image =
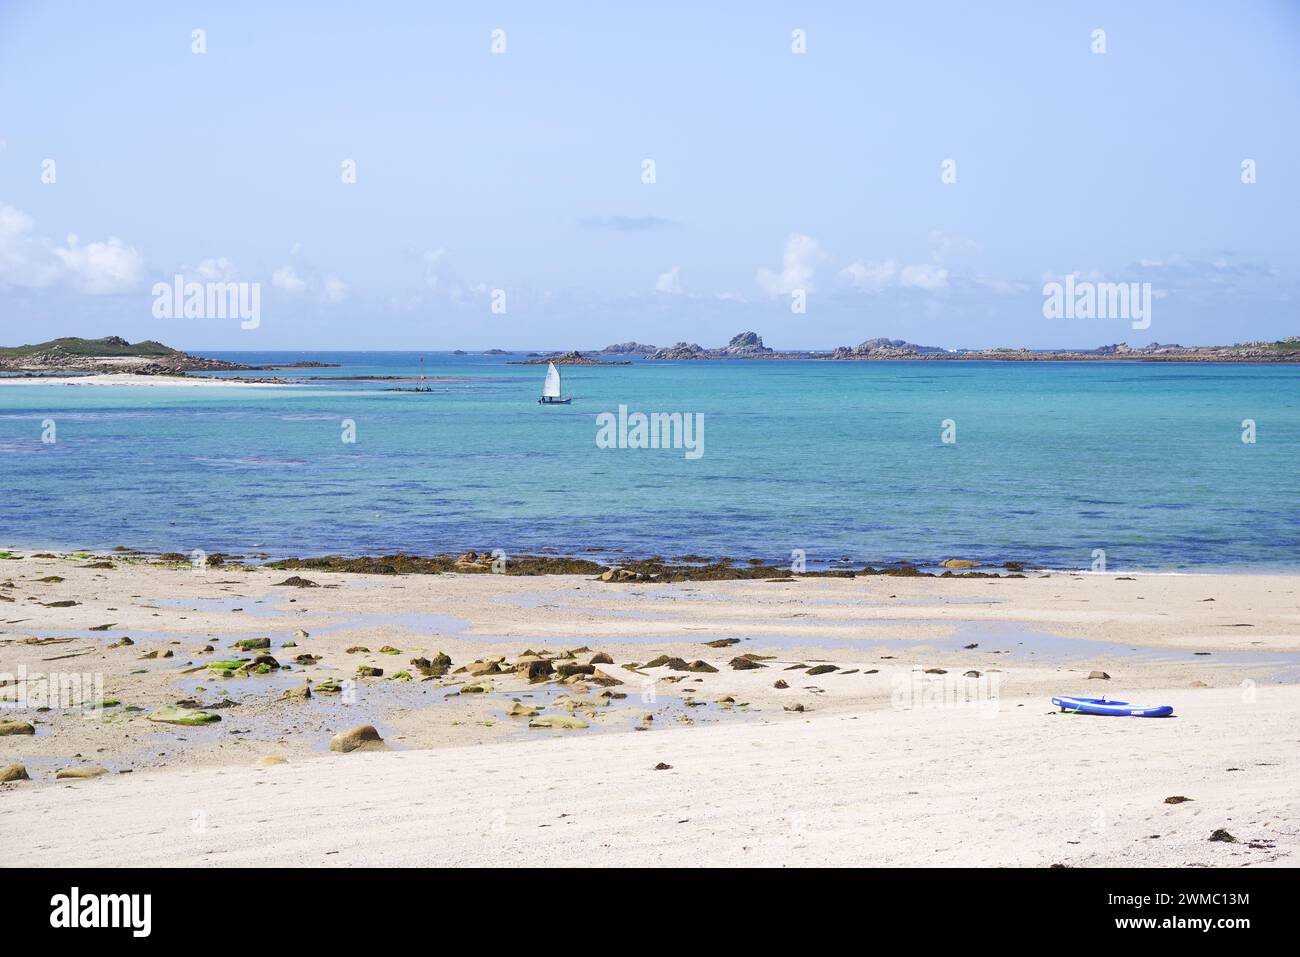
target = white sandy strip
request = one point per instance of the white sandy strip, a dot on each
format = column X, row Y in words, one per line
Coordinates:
column 922, row 787
column 130, row 378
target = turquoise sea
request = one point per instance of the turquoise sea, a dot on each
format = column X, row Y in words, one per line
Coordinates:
column 842, row 460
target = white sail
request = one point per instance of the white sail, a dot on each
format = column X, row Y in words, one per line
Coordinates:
column 551, row 390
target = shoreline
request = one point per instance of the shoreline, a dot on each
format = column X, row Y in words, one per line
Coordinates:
column 121, row 379
column 870, row 710
column 893, row 723
column 595, row 561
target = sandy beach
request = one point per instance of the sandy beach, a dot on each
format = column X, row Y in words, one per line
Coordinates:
column 926, row 734
column 135, row 379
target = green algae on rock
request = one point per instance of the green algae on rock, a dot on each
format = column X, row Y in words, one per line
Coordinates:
column 183, row 716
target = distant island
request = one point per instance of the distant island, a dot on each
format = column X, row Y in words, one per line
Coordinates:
column 749, row 345
column 113, row 354
column 569, row 359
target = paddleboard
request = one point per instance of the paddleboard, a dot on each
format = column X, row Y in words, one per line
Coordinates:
column 1112, row 708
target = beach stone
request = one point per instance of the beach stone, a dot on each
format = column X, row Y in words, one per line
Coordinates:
column 82, row 772
column 300, row 634
column 483, row 667
column 390, row 650
column 570, row 668
column 357, row 650
column 520, row 710
column 15, row 727
column 780, row 685
column 369, row 671
column 534, row 668
column 252, row 644
column 1098, row 674
column 663, row 767
column 184, row 716
column 1177, row 799
column 722, row 642
column 13, row 772
column 1223, row 837
column 561, row 721
column 745, row 664
column 363, row 737
column 928, row 671
column 297, row 694
column 971, row 674
column 599, row 677
column 306, row 659
column 959, row 563
column 123, row 642
column 796, row 706
column 479, row 687
column 436, row 668
column 270, row 760
column 821, row 669
column 701, row 667
column 294, row 581
column 600, row 658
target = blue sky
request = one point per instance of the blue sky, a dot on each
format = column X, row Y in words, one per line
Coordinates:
column 522, row 171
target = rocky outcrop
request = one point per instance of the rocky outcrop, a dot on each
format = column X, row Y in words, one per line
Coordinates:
column 573, row 358
column 106, row 355
column 628, row 349
column 744, row 345
column 682, row 350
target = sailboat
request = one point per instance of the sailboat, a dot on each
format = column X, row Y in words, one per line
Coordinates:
column 551, row 388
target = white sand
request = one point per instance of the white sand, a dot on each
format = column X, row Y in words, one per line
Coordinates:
column 919, row 787
column 133, row 379
column 863, row 777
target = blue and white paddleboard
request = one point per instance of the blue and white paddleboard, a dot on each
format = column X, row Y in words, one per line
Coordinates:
column 1113, row 708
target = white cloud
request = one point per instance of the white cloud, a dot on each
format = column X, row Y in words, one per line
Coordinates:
column 34, row 262
column 287, row 278
column 670, row 282
column 327, row 289
column 431, row 259
column 798, row 264
column 946, row 244
column 925, row 276
column 212, row 270
column 872, row 276
column 334, row 290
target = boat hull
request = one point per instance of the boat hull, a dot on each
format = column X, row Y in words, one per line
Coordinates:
column 1116, row 709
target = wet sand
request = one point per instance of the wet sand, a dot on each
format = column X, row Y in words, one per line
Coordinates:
column 885, row 764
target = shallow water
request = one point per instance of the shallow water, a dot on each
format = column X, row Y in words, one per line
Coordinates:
column 843, row 460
